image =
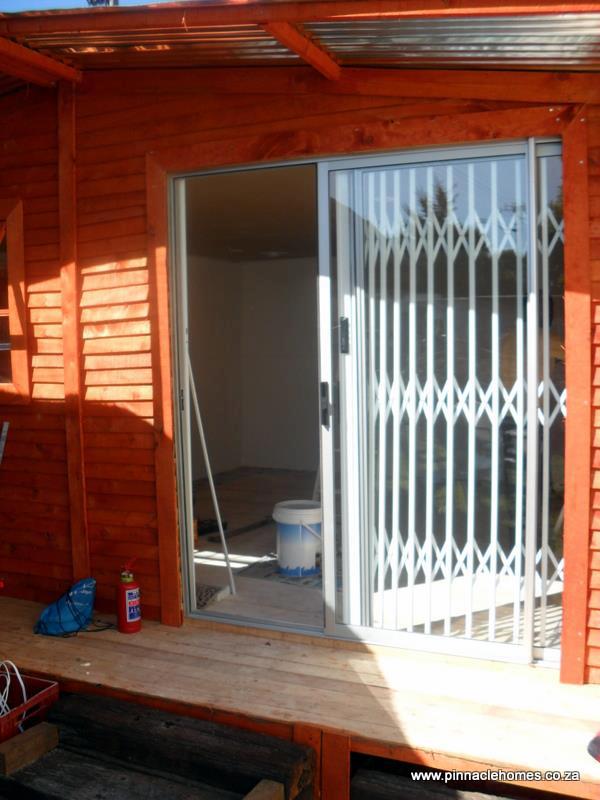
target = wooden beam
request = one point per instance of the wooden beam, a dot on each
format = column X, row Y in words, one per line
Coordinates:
column 186, row 15
column 29, row 65
column 511, row 85
column 70, row 289
column 27, row 747
column 312, row 737
column 369, row 136
column 171, row 597
column 578, row 424
column 298, row 42
column 335, row 766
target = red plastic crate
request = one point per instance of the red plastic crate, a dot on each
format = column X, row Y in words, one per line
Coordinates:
column 41, row 694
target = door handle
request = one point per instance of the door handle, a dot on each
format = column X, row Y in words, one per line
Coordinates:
column 344, row 335
column 325, row 405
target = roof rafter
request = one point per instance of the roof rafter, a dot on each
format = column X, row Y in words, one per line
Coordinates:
column 29, row 65
column 232, row 12
column 296, row 40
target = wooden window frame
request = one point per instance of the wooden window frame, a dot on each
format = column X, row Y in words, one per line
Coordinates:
column 19, row 389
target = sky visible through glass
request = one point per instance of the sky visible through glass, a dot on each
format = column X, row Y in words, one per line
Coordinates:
column 7, row 6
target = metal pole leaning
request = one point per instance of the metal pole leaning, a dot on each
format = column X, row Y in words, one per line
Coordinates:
column 211, row 483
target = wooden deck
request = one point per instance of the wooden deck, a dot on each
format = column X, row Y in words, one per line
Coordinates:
column 441, row 711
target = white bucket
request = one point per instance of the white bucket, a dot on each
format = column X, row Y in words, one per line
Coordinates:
column 298, row 537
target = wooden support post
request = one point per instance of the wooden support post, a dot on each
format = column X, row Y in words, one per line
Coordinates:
column 335, row 767
column 71, row 333
column 171, row 602
column 578, row 374
column 311, row 736
column 298, row 42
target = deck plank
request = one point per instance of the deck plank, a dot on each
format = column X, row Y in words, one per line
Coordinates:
column 488, row 713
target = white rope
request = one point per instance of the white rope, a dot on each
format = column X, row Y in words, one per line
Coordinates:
column 6, row 678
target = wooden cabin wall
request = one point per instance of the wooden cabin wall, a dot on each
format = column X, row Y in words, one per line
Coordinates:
column 120, row 118
column 118, row 122
column 35, row 546
column 593, row 653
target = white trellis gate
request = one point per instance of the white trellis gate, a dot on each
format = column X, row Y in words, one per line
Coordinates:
column 442, row 280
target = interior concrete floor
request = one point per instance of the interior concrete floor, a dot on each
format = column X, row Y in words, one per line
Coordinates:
column 247, row 497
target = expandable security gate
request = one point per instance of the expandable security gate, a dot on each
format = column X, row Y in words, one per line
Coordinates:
column 441, row 292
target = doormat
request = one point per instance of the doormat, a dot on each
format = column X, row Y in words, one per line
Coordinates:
column 205, row 594
column 268, row 569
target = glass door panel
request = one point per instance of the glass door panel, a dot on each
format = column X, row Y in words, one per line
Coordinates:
column 432, row 281
column 552, row 395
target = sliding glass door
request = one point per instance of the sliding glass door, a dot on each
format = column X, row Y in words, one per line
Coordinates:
column 442, row 293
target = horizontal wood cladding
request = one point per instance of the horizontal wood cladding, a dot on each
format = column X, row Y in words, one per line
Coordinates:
column 118, row 418
column 118, row 127
column 35, row 546
column 593, row 638
column 120, row 119
column 114, row 135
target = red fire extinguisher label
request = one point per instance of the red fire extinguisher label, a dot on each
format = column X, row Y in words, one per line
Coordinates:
column 132, row 605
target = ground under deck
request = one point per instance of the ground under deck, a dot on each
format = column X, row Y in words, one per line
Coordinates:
column 439, row 710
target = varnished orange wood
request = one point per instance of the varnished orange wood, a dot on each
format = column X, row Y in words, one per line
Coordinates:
column 276, row 115
column 19, row 390
column 300, row 43
column 236, row 13
column 71, row 332
column 531, row 87
column 123, row 334
column 168, row 537
column 335, row 766
column 311, row 736
column 29, row 65
column 374, row 136
column 578, row 426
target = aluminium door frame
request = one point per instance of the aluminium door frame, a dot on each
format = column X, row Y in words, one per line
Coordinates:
column 331, row 629
column 525, row 651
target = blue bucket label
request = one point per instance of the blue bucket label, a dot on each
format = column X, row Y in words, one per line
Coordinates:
column 299, row 549
column 132, row 604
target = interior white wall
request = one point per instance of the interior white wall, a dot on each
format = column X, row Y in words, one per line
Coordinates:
column 280, row 364
column 253, row 347
column 214, row 310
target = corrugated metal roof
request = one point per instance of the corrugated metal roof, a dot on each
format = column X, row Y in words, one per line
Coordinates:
column 163, row 36
column 244, row 44
column 557, row 41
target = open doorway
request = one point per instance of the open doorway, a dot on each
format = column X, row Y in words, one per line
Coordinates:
column 251, row 307
column 438, row 510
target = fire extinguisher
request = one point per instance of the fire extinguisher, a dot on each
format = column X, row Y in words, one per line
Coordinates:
column 128, row 601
